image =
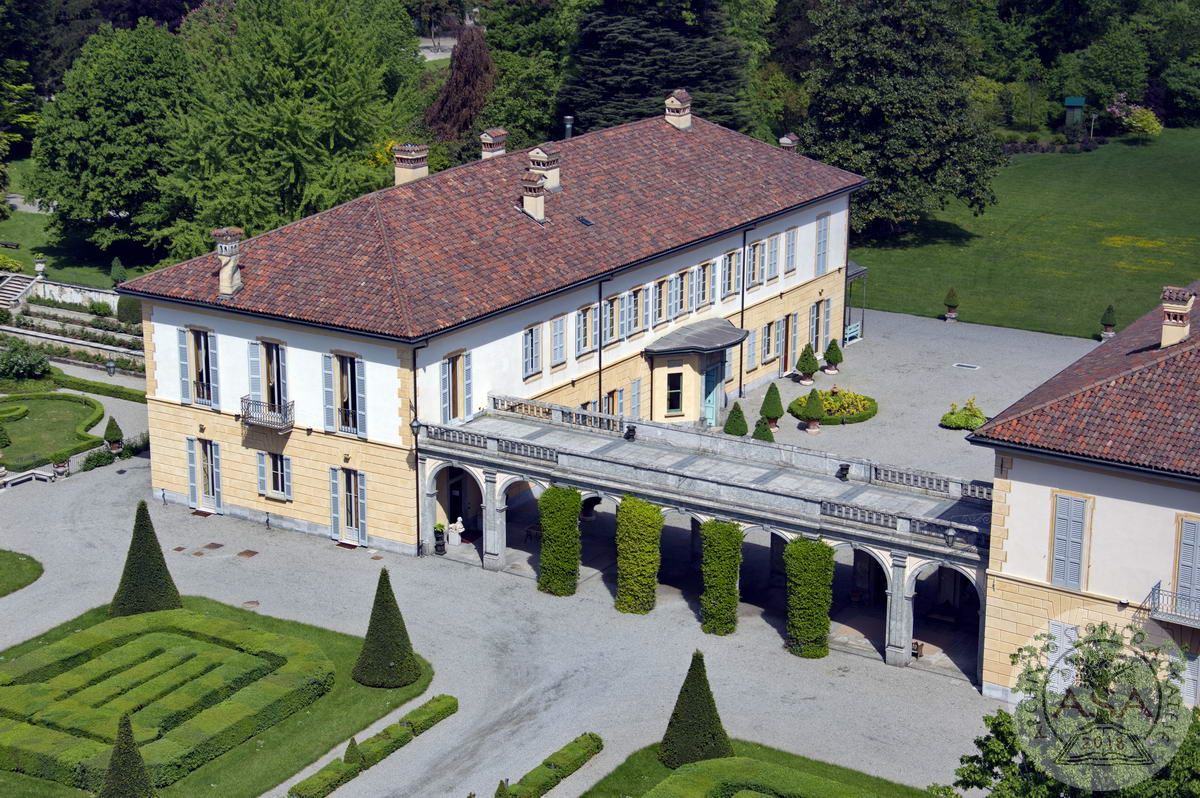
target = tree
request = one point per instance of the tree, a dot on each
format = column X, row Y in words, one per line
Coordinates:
column 1182, row 80
column 112, row 431
column 387, row 658
column 466, row 90
column 735, row 422
column 101, row 145
column 639, row 534
column 630, row 54
column 772, row 404
column 762, row 431
column 126, row 776
column 19, row 360
column 18, row 103
column 807, row 364
column 117, row 271
column 809, row 568
column 890, row 102
column 1116, row 63
column 522, row 100
column 833, row 355
column 694, row 731
column 146, row 583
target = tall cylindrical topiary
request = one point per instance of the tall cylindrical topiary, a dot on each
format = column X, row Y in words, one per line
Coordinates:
column 126, row 776
column 762, row 431
column 735, row 422
column 639, row 535
column 695, row 731
column 807, row 364
column 146, row 584
column 117, row 271
column 387, row 658
column 720, row 562
column 772, row 405
column 833, row 357
column 809, row 568
column 558, row 571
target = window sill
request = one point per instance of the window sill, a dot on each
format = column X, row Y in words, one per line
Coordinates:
column 585, row 355
column 674, row 414
column 558, row 366
column 536, row 375
column 271, row 496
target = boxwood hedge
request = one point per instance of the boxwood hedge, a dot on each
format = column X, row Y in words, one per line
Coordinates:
column 725, row 778
column 720, row 561
column 556, row 767
column 809, row 568
column 559, row 508
column 639, row 536
column 84, row 440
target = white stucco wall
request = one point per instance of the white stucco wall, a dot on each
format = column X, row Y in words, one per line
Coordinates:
column 304, row 368
column 495, row 344
column 1131, row 542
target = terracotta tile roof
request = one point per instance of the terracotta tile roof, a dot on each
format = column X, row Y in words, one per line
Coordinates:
column 1128, row 402
column 411, row 260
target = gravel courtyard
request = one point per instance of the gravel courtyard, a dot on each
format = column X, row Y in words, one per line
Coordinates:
column 531, row 671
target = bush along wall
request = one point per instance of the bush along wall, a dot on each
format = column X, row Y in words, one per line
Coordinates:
column 809, row 568
column 556, row 767
column 720, row 561
column 639, row 536
column 559, row 510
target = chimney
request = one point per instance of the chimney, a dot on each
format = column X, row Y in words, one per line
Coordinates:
column 411, row 162
column 568, row 126
column 493, row 141
column 229, row 246
column 544, row 161
column 533, row 195
column 1177, row 313
column 679, row 109
column 788, row 141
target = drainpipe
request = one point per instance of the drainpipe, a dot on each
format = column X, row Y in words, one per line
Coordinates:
column 415, row 447
column 742, row 316
column 600, row 345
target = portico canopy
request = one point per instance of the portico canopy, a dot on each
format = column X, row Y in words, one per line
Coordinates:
column 699, row 337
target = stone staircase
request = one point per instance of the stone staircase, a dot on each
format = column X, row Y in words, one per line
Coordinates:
column 13, row 288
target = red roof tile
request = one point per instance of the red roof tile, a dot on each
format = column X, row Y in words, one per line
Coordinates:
column 411, row 260
column 1128, row 402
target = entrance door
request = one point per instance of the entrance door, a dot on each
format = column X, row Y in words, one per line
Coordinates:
column 712, row 387
column 210, row 475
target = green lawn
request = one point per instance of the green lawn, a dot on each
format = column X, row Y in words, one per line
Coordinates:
column 18, row 175
column 16, row 571
column 271, row 757
column 1069, row 235
column 437, row 64
column 642, row 771
column 50, row 425
column 64, row 263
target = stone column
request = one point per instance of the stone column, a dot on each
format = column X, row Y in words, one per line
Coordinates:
column 899, row 614
column 428, row 499
column 494, row 529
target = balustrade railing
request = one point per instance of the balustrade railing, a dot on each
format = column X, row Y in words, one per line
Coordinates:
column 523, row 449
column 922, row 480
column 977, row 490
column 1166, row 605
column 257, row 413
column 456, row 435
column 861, row 515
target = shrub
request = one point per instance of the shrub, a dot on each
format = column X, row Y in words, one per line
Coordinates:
column 639, row 535
column 502, row 790
column 5, row 440
column 762, row 431
column 112, row 432
column 951, row 300
column 809, row 568
column 117, row 271
column 1144, row 122
column 833, row 354
column 807, row 363
column 813, row 408
column 146, row 584
column 556, row 767
column 720, row 561
column 1109, row 317
column 694, row 731
column 353, row 757
column 1031, row 138
column 97, row 459
column 129, row 310
column 101, row 309
column 127, row 776
column 100, row 388
column 772, row 404
column 67, row 353
column 559, row 509
column 1059, row 138
column 735, row 422
column 429, row 714
column 387, row 658
column 21, row 361
column 968, row 417
column 5, row 316
column 324, row 781
column 10, row 265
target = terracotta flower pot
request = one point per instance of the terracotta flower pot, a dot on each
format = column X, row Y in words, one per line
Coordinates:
column 951, row 313
column 116, row 446
column 812, row 427
column 773, row 423
column 60, row 469
column 1108, row 332
column 831, row 369
column 806, row 379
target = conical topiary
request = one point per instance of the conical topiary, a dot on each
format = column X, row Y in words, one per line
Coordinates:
column 762, row 431
column 146, row 584
column 833, row 355
column 387, row 658
column 353, row 756
column 951, row 300
column 807, row 364
column 127, row 776
column 1109, row 319
column 117, row 271
column 772, row 404
column 502, row 790
column 5, row 440
column 695, row 731
column 112, row 432
column 814, row 408
column 735, row 422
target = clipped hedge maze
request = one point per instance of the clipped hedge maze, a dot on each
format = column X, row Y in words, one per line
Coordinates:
column 195, row 687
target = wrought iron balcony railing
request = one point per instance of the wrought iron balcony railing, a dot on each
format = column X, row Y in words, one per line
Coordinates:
column 347, row 418
column 1173, row 607
column 202, row 392
column 257, row 413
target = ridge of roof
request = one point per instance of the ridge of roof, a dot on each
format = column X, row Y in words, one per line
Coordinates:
column 393, row 272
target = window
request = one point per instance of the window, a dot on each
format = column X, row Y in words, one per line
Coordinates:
column 350, row 497
column 1070, row 518
column 347, row 393
column 456, row 386
column 679, row 294
column 769, row 337
column 608, row 320
column 633, row 323
column 585, row 330
column 204, row 474
column 558, row 341
column 635, row 399
column 614, row 402
column 274, row 372
column 674, row 392
column 204, row 356
column 822, row 242
column 703, row 275
column 660, row 301
column 789, row 251
column 772, row 257
column 348, row 506
column 754, row 277
column 730, row 278
column 274, row 475
column 531, row 351
column 819, row 320
column 752, row 351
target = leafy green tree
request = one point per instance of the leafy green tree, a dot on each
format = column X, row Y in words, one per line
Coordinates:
column 735, row 422
column 19, row 360
column 630, row 54
column 146, row 583
column 639, row 538
column 18, row 103
column 1182, row 81
column 695, row 731
column 101, row 145
column 522, row 100
column 126, row 776
column 1117, row 63
column 462, row 96
column 890, row 102
column 387, row 658
column 117, row 271
column 772, row 404
column 762, row 431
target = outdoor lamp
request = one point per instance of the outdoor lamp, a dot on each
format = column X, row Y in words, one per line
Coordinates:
column 415, row 426
column 110, row 366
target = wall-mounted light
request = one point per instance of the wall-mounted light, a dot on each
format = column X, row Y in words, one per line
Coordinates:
column 202, row 428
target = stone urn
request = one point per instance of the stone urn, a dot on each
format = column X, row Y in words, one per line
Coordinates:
column 60, row 469
column 951, row 313
column 812, row 427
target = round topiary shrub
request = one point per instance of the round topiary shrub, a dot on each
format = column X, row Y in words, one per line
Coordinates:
column 720, row 561
column 558, row 573
column 833, row 357
column 735, row 422
column 146, row 584
column 968, row 417
column 809, row 568
column 639, row 535
column 695, row 731
column 387, row 658
column 762, row 431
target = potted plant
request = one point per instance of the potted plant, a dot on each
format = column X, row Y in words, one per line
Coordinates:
column 735, row 422
column 60, row 460
column 762, row 431
column 951, row 303
column 439, row 538
column 833, row 357
column 812, row 412
column 113, row 436
column 807, row 365
column 772, row 407
column 1109, row 322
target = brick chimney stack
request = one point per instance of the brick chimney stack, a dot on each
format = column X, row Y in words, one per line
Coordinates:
column 679, row 109
column 1177, row 315
column 493, row 140
column 544, row 161
column 533, row 195
column 229, row 251
column 788, row 141
column 410, row 161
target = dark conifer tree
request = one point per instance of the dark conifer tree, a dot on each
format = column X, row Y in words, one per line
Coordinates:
column 127, row 776
column 695, row 731
column 466, row 89
column 387, row 658
column 146, row 584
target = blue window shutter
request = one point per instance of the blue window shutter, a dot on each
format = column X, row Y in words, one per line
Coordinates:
column 812, row 325
column 766, row 343
column 445, row 391
column 779, row 337
column 789, row 253
column 537, row 348
column 558, row 344
column 193, row 499
column 287, row 477
column 737, row 271
column 362, row 509
column 794, row 354
column 185, row 378
column 335, row 530
column 726, row 266
column 620, row 402
column 595, row 325
column 360, row 395
column 635, row 398
column 729, row 364
column 1075, row 549
column 283, row 389
column 712, row 282
column 822, row 243
column 216, row 472
column 580, row 333
column 773, row 257
column 1069, row 517
column 327, row 376
column 255, row 367
column 468, row 402
column 1191, row 680
column 828, row 323
column 1062, row 521
column 647, row 293
column 624, row 312
column 1188, row 583
column 214, row 372
column 752, row 351
column 1062, row 674
column 693, row 288
column 262, row 473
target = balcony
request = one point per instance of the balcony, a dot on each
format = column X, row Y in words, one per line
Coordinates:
column 257, row 413
column 347, row 418
column 1173, row 607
